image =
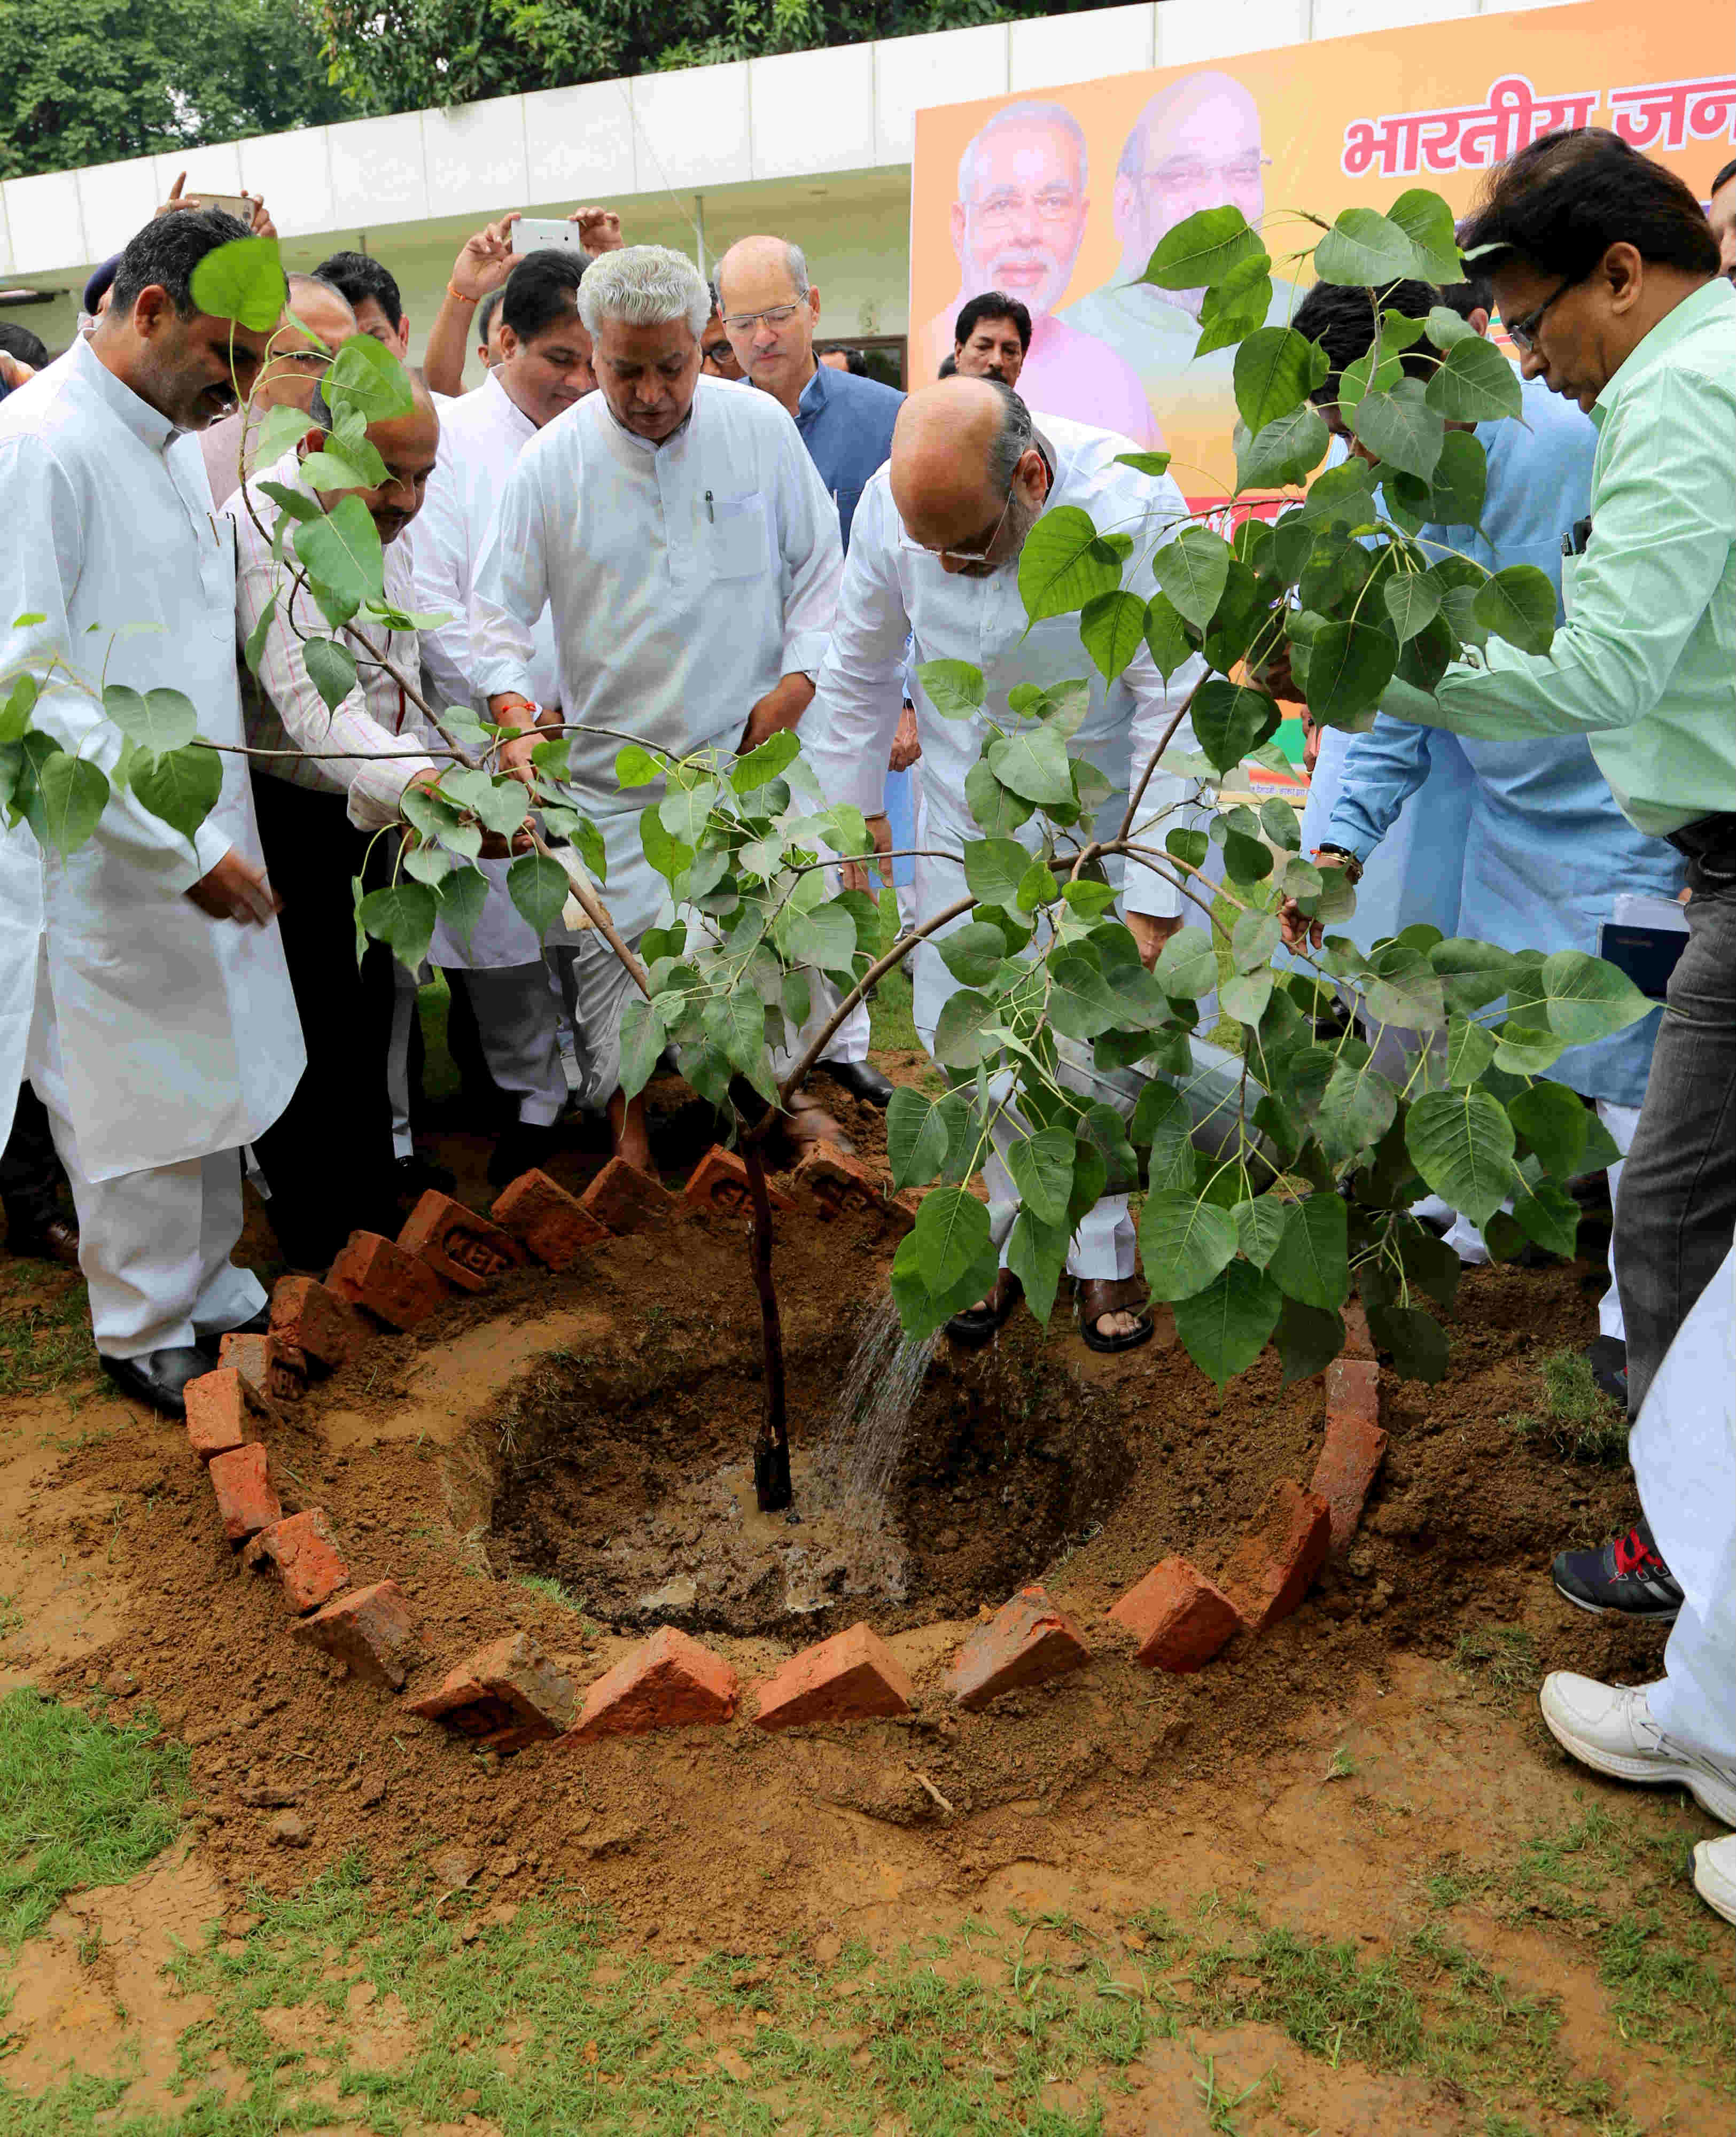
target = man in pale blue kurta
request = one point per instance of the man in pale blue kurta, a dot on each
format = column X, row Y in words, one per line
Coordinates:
column 1518, row 843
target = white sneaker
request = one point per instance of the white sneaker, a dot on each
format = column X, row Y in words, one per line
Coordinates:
column 1609, row 1727
column 1714, row 1874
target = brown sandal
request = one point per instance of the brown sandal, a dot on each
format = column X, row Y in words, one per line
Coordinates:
column 1100, row 1295
column 978, row 1324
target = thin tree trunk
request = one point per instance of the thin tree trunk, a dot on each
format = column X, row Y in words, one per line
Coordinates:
column 772, row 1488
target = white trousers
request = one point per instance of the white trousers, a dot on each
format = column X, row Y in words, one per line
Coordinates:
column 154, row 1245
column 518, row 1021
column 1466, row 1241
column 405, row 987
column 1683, row 1453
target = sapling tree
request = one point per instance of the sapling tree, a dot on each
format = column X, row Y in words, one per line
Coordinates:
column 1280, row 1149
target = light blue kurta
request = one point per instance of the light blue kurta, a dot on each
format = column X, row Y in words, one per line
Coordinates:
column 1546, row 851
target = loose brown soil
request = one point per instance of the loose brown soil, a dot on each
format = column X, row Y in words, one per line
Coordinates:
column 595, row 1428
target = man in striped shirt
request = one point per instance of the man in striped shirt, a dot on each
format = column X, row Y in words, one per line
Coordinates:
column 328, row 1160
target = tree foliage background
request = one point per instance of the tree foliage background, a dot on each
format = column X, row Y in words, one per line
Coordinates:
column 93, row 82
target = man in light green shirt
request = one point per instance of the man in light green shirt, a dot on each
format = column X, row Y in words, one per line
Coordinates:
column 1607, row 278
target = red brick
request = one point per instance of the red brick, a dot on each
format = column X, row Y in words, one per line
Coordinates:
column 369, row 1628
column 1354, row 1446
column 1179, row 1619
column 1028, row 1641
column 303, row 1552
column 466, row 1249
column 267, row 1364
column 1270, row 1569
column 1358, row 1341
column 244, row 1494
column 546, row 1220
column 838, row 1181
column 667, row 1682
column 508, row 1694
column 315, row 1324
column 854, row 1677
column 719, row 1182
column 216, row 1412
column 624, row 1199
column 394, row 1286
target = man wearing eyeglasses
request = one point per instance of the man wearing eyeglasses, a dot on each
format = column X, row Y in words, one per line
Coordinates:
column 1196, row 145
column 317, row 321
column 937, row 538
column 717, row 358
column 1608, row 280
column 1016, row 226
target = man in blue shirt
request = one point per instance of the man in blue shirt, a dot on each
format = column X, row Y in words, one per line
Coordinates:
column 770, row 311
column 1528, row 848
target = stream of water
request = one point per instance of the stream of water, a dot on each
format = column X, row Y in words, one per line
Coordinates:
column 866, row 1434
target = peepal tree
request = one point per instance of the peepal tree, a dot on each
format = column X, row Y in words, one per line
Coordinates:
column 1269, row 1204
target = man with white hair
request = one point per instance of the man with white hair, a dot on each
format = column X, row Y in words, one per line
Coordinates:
column 1196, row 145
column 938, row 534
column 1017, row 226
column 690, row 556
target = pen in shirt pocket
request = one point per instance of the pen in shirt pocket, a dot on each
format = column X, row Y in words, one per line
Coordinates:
column 709, row 513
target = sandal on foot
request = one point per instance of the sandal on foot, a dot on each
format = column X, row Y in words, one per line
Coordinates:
column 978, row 1324
column 1100, row 1295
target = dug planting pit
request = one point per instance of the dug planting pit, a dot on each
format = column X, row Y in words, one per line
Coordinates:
column 628, row 1482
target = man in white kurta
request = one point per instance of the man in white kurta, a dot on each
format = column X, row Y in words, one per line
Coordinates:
column 689, row 556
column 949, row 470
column 162, row 1034
column 546, row 367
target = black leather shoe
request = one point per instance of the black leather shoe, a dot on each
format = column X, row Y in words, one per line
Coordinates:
column 158, row 1377
column 520, row 1149
column 56, row 1241
column 414, row 1175
column 861, row 1079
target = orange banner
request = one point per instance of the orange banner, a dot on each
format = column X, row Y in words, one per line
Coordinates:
column 1059, row 198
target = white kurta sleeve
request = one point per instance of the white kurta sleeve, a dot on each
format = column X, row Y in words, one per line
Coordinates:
column 439, row 537
column 812, row 550
column 511, row 587
column 847, row 731
column 376, row 788
column 35, row 575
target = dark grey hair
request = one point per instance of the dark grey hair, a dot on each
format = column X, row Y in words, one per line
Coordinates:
column 1014, row 440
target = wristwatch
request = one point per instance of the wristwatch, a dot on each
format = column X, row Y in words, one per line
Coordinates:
column 1352, row 869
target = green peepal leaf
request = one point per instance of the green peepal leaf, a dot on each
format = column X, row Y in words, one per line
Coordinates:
column 1415, row 1340
column 1427, row 221
column 1276, row 368
column 1585, row 999
column 538, row 886
column 1308, row 1341
column 155, row 720
column 1312, row 1262
column 1259, row 1226
column 1412, row 602
column 1224, row 1327
column 994, row 869
column 1364, row 250
column 403, row 917
column 922, row 1309
column 1474, row 384
column 760, row 766
column 181, row 787
column 1462, row 1143
column 1166, row 635
column 1183, row 1244
column 1400, row 429
column 1192, row 569
column 1034, row 765
column 1285, row 452
column 70, row 796
column 244, row 281
column 641, row 1041
column 918, row 1134
column 1206, row 248
column 1231, row 720
column 635, row 766
column 342, row 557
column 1556, row 1123
column 1518, row 604
column 1036, row 1253
column 951, row 1236
column 1112, row 628
column 366, row 377
column 463, row 893
column 1349, row 666
column 1065, row 563
column 954, row 688
column 1041, row 1167
column 1151, row 464
column 331, row 670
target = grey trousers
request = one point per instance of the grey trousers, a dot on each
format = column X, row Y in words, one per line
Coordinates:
column 1676, row 1213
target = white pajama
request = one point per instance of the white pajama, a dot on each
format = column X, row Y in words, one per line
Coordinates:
column 1683, row 1453
column 518, row 1023
column 154, row 1244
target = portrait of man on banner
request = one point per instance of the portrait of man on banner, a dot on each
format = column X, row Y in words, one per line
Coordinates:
column 1020, row 217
